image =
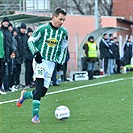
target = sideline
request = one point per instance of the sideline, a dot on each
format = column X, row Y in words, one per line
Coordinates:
column 74, row 88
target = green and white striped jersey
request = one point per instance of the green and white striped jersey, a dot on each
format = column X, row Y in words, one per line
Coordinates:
column 51, row 43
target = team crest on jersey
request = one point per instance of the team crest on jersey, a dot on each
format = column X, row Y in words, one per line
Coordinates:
column 52, row 42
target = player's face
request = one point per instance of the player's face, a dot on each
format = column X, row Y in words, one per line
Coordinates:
column 58, row 21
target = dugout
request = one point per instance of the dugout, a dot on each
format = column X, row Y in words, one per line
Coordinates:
column 98, row 33
column 26, row 18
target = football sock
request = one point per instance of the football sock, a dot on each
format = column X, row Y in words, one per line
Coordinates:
column 35, row 107
column 28, row 95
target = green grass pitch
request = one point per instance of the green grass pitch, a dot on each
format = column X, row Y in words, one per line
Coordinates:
column 98, row 108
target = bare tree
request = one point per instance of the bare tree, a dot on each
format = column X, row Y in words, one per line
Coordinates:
column 59, row 3
column 105, row 7
column 78, row 4
column 85, row 7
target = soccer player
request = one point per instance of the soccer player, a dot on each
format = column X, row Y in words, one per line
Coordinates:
column 49, row 45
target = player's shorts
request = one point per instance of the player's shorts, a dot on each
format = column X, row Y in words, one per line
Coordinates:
column 44, row 70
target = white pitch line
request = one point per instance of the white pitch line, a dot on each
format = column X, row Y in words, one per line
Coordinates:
column 70, row 89
column 84, row 86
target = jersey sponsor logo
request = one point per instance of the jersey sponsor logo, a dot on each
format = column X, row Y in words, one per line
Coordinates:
column 51, row 42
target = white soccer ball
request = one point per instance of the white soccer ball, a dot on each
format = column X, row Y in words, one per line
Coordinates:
column 62, row 112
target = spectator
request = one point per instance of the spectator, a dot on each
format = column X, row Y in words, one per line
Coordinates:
column 117, row 55
column 127, row 48
column 104, row 52
column 28, row 58
column 111, row 59
column 90, row 48
column 84, row 63
column 21, row 42
column 1, row 61
column 11, row 62
column 54, row 76
column 64, row 67
column 8, row 52
column 10, row 27
column 13, row 75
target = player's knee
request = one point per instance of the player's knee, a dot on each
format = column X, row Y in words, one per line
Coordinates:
column 44, row 91
column 39, row 82
column 37, row 94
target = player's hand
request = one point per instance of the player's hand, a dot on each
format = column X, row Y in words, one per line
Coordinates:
column 38, row 57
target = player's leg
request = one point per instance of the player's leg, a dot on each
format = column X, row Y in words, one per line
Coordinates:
column 39, row 76
column 49, row 69
column 38, row 93
column 29, row 94
column 24, row 95
column 36, row 100
column 44, row 91
column 42, row 84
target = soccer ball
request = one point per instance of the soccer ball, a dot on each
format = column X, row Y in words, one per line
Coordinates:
column 62, row 112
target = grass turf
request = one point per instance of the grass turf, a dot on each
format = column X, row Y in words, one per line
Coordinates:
column 105, row 108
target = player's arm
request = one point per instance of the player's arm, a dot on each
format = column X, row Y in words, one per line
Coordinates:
column 32, row 41
column 33, row 45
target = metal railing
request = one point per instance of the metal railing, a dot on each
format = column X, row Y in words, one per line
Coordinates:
column 9, row 7
column 34, row 6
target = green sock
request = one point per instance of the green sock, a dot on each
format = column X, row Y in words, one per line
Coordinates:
column 35, row 107
column 28, row 95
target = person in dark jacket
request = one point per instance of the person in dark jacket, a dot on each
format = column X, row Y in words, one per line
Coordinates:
column 54, row 75
column 111, row 60
column 127, row 47
column 64, row 67
column 104, row 52
column 14, row 43
column 28, row 58
column 1, row 62
column 117, row 55
column 8, row 52
column 12, row 57
column 21, row 42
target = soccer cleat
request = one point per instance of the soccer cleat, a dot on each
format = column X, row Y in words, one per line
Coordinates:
column 35, row 120
column 21, row 99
